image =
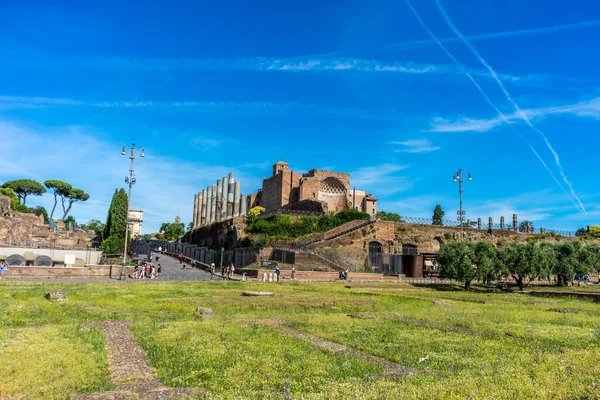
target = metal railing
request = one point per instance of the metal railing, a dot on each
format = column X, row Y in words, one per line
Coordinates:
column 485, row 225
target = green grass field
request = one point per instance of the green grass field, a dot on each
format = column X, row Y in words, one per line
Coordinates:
column 458, row 345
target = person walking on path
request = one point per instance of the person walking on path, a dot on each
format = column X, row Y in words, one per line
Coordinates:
column 135, row 271
column 3, row 269
column 212, row 270
column 346, row 274
column 277, row 272
column 160, row 249
column 158, row 270
column 180, row 258
column 223, row 272
column 232, row 269
column 293, row 277
column 143, row 272
column 193, row 263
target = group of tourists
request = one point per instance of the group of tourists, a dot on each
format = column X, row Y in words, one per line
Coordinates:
column 147, row 270
column 227, row 271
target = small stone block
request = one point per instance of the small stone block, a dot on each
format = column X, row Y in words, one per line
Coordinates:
column 57, row 295
column 257, row 294
column 206, row 312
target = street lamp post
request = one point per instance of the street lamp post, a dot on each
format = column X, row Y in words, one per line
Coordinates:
column 458, row 177
column 130, row 181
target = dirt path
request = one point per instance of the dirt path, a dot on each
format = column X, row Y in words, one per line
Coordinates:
column 130, row 371
column 391, row 369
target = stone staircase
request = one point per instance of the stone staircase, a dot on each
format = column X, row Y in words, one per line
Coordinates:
column 321, row 238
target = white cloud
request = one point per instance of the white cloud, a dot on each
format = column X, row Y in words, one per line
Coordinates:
column 246, row 108
column 417, row 146
column 495, row 35
column 587, row 109
column 380, row 180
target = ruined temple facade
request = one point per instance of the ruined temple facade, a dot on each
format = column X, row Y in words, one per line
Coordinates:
column 319, row 191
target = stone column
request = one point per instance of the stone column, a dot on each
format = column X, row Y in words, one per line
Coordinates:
column 479, row 223
column 203, row 208
column 194, row 220
column 230, row 196
column 207, row 207
column 211, row 196
column 515, row 222
column 199, row 215
column 491, row 224
column 244, row 206
column 224, row 190
column 218, row 199
column 502, row 223
column 236, row 199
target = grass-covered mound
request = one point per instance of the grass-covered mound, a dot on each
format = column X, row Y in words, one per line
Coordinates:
column 282, row 226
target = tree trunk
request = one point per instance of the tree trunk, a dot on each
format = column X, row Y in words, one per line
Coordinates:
column 520, row 283
column 67, row 211
column 468, row 285
column 54, row 208
column 24, row 197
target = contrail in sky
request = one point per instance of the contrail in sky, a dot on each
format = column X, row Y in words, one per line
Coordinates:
column 520, row 113
column 521, row 32
column 487, row 99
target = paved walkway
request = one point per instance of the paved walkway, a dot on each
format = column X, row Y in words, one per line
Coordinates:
column 172, row 271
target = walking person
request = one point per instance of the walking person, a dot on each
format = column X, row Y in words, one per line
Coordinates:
column 193, row 263
column 180, row 258
column 135, row 271
column 232, row 269
column 223, row 273
column 346, row 274
column 212, row 271
column 293, row 277
column 143, row 272
column 3, row 269
column 158, row 270
column 277, row 272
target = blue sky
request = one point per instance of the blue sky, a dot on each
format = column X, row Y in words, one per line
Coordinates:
column 398, row 94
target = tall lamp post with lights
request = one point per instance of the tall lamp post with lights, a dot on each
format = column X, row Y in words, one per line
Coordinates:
column 130, row 180
column 458, row 177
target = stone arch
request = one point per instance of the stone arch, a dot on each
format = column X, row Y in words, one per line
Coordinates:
column 331, row 185
column 375, row 249
column 334, row 193
column 43, row 261
column 16, row 260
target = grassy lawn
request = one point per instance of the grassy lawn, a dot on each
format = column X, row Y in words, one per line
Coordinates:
column 458, row 345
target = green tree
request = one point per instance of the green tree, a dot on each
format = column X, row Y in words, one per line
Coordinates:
column 95, row 226
column 485, row 260
column 438, row 215
column 70, row 220
column 521, row 261
column 254, row 213
column 190, row 226
column 526, row 227
column 24, row 188
column 570, row 261
column 116, row 221
column 59, row 189
column 39, row 210
column 15, row 204
column 172, row 230
column 591, row 257
column 456, row 260
column 389, row 216
column 73, row 196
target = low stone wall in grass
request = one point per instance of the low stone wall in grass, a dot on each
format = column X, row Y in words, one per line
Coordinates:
column 315, row 275
column 95, row 271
